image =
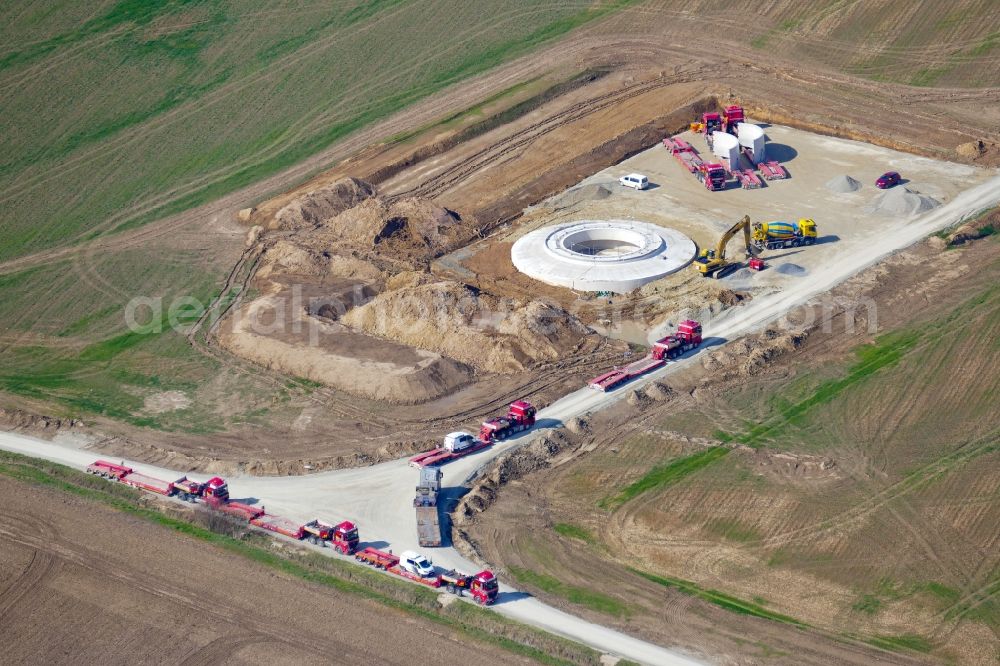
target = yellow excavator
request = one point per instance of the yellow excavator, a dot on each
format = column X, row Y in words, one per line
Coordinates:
column 713, row 263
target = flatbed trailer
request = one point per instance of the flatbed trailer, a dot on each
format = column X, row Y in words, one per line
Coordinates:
column 108, row 470
column 684, row 152
column 240, row 510
column 429, row 581
column 614, row 378
column 748, row 179
column 379, row 559
column 772, row 170
column 441, row 455
column 152, row 484
column 279, row 524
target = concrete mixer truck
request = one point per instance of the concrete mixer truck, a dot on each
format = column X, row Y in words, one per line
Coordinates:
column 776, row 235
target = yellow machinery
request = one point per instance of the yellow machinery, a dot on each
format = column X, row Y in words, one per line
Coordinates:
column 713, row 263
column 777, row 235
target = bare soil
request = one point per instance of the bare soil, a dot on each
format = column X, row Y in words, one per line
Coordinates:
column 875, row 520
column 87, row 584
column 658, row 79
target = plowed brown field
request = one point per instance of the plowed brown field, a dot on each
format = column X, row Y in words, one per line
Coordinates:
column 80, row 583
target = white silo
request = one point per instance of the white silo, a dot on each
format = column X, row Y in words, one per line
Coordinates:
column 751, row 139
column 726, row 147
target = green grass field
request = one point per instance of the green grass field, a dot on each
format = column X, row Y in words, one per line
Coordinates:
column 130, row 110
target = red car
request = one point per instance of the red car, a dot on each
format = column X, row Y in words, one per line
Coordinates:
column 887, row 180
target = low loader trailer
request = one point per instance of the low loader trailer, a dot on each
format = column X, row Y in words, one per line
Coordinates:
column 456, row 445
column 772, row 170
column 482, row 587
column 687, row 337
column 183, row 488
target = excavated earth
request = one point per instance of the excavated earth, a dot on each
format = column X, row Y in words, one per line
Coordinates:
column 399, row 226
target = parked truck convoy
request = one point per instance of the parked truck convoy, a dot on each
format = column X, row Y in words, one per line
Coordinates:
column 343, row 537
column 215, row 493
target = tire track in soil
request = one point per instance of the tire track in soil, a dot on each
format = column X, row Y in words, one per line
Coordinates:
column 49, row 542
column 43, row 564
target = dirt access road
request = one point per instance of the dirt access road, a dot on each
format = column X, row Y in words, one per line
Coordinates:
column 379, row 497
column 141, row 594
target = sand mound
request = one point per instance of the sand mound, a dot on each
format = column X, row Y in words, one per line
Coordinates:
column 296, row 344
column 404, row 226
column 486, row 332
column 902, row 201
column 843, row 184
column 578, row 195
column 791, row 269
column 288, row 258
column 320, row 205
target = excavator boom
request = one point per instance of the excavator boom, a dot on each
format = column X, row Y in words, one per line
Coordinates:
column 714, row 263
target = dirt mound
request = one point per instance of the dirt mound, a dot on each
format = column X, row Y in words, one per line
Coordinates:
column 582, row 194
column 314, row 208
column 508, row 467
column 748, row 356
column 843, row 184
column 791, row 269
column 409, row 226
column 979, row 228
column 902, row 201
column 486, row 332
column 271, row 332
column 288, row 258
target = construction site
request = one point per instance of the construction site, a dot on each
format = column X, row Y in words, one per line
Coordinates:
column 682, row 361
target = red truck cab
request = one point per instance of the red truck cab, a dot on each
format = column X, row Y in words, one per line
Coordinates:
column 484, row 588
column 216, row 490
column 520, row 416
column 344, row 538
column 687, row 337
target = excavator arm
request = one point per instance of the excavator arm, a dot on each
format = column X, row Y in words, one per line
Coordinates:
column 742, row 225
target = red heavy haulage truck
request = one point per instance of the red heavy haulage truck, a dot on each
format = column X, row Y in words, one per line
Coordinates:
column 520, row 416
column 215, row 489
column 215, row 493
column 482, row 587
column 687, row 337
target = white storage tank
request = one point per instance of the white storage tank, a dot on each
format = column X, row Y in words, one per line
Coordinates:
column 751, row 140
column 726, row 147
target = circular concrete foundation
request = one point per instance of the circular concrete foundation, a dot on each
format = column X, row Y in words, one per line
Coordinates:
column 602, row 255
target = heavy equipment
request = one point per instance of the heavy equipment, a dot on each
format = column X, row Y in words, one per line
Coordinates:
column 713, row 176
column 520, row 416
column 482, row 587
column 687, row 337
column 777, row 235
column 215, row 489
column 344, row 537
column 732, row 115
column 425, row 503
column 713, row 263
column 772, row 170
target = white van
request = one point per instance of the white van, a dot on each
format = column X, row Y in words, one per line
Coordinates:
column 416, row 563
column 636, row 180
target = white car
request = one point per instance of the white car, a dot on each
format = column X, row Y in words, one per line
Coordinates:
column 416, row 563
column 458, row 441
column 636, row 180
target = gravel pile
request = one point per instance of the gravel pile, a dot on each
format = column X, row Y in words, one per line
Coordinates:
column 902, row 201
column 843, row 184
column 577, row 195
column 791, row 269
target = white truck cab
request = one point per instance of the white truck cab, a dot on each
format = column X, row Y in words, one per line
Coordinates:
column 636, row 180
column 458, row 441
column 416, row 563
